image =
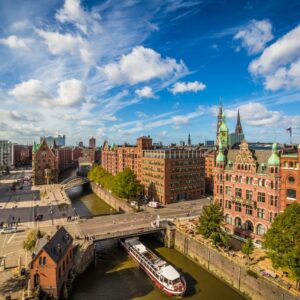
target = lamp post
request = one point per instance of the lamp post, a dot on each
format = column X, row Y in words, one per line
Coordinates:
column 51, row 214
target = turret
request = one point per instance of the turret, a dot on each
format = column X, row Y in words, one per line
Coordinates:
column 223, row 133
column 274, row 160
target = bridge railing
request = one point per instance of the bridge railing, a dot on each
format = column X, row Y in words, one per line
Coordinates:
column 127, row 233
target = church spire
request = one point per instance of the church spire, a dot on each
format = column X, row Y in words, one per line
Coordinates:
column 238, row 127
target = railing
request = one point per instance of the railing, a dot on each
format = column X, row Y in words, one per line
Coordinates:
column 120, row 234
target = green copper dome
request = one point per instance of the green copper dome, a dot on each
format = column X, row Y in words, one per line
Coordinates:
column 274, row 158
column 221, row 156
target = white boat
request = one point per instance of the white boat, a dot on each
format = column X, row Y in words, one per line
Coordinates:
column 165, row 276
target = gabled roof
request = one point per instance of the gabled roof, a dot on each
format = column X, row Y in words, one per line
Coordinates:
column 56, row 246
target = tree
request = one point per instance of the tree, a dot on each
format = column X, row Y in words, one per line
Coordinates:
column 248, row 248
column 282, row 240
column 210, row 225
column 31, row 238
column 125, row 184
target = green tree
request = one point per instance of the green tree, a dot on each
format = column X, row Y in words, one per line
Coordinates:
column 125, row 184
column 210, row 223
column 248, row 248
column 31, row 238
column 282, row 240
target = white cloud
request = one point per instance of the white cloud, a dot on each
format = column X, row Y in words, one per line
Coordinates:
column 145, row 92
column 255, row 114
column 15, row 42
column 279, row 63
column 70, row 92
column 58, row 43
column 72, row 12
column 86, row 123
column 182, row 87
column 255, row 35
column 32, row 91
column 142, row 64
column 180, row 120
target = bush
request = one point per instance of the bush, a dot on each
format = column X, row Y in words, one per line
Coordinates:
column 252, row 274
column 31, row 238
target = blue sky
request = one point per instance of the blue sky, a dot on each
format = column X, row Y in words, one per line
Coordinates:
column 117, row 70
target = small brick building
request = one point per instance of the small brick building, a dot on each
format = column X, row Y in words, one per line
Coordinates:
column 51, row 263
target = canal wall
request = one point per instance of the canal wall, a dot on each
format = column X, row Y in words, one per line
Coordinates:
column 84, row 257
column 118, row 204
column 234, row 274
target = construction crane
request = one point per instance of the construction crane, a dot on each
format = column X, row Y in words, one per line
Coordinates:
column 290, row 130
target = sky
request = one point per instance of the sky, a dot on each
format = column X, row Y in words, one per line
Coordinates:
column 117, row 70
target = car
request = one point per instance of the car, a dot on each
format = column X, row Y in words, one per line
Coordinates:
column 133, row 203
column 39, row 217
column 8, row 230
column 154, row 204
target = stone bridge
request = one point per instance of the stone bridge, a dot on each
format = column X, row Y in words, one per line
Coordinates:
column 73, row 181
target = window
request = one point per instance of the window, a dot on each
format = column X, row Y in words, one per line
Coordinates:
column 238, row 192
column 247, row 180
column 260, row 213
column 228, row 204
column 221, row 189
column 228, row 190
column 291, row 165
column 261, row 197
column 248, row 210
column 260, row 229
column 44, row 260
column 290, row 193
column 220, row 203
column 40, row 260
column 291, row 179
column 238, row 207
column 270, row 217
column 249, row 225
column 240, row 179
column 238, row 222
column 228, row 219
column 249, row 195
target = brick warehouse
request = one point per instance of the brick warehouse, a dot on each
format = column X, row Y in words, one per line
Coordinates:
column 167, row 174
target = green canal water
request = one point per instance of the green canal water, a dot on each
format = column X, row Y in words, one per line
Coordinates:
column 87, row 204
column 117, row 277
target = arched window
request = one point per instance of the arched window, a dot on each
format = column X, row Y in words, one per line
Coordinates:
column 249, row 225
column 291, row 165
column 291, row 179
column 238, row 222
column 272, row 184
column 228, row 219
column 286, row 164
column 263, row 182
column 242, row 167
column 247, row 180
column 238, row 166
column 36, row 279
column 260, row 229
column 44, row 260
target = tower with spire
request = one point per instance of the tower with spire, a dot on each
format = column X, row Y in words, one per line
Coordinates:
column 189, row 140
column 238, row 127
column 219, row 121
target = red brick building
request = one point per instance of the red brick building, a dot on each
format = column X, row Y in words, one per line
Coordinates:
column 51, row 263
column 45, row 166
column 247, row 186
column 210, row 158
column 22, row 155
column 172, row 174
column 167, row 174
column 289, row 176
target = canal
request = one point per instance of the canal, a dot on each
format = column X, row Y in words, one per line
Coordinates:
column 86, row 203
column 117, row 277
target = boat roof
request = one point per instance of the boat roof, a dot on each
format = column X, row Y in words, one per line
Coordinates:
column 169, row 272
column 141, row 248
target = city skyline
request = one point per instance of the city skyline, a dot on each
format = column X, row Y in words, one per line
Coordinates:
column 117, row 71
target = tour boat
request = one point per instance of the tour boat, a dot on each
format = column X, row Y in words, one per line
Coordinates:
column 165, row 277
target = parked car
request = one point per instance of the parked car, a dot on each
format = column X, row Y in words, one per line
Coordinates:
column 39, row 217
column 8, row 230
column 133, row 203
column 154, row 204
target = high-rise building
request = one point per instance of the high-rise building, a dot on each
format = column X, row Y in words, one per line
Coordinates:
column 189, row 140
column 6, row 154
column 22, row 155
column 92, row 142
column 58, row 140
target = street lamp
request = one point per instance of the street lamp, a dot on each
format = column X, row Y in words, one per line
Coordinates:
column 51, row 213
